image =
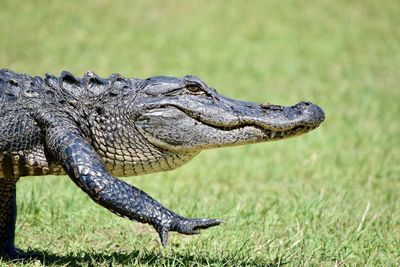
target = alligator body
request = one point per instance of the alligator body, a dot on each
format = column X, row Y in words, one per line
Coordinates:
column 94, row 130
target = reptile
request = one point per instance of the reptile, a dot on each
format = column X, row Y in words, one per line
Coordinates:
column 95, row 130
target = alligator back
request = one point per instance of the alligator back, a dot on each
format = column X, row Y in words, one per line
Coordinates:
column 22, row 100
column 21, row 138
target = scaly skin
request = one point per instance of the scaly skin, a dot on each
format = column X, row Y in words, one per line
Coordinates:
column 95, row 129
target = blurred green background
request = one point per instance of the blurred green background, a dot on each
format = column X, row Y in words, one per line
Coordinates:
column 328, row 198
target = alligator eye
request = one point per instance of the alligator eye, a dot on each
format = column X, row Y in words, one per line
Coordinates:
column 195, row 89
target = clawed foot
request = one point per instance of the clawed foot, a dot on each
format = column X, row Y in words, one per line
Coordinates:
column 10, row 253
column 184, row 226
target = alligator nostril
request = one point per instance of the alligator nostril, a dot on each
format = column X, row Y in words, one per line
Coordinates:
column 271, row 107
column 304, row 104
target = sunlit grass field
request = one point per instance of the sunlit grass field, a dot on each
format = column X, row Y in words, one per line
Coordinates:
column 328, row 198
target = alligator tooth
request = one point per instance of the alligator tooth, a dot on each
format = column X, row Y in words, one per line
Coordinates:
column 273, row 133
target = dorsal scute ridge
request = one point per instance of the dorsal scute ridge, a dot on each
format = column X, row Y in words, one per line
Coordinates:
column 89, row 87
column 14, row 85
column 92, row 85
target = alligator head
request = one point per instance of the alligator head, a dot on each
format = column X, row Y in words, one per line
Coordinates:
column 186, row 115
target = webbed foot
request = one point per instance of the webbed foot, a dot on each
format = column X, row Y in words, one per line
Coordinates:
column 185, row 226
column 10, row 253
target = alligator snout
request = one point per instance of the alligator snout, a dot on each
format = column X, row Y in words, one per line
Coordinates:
column 280, row 118
column 305, row 113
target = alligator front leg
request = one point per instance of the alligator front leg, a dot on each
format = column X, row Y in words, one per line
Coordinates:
column 86, row 169
column 8, row 213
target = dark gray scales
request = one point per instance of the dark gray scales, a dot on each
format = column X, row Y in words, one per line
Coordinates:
column 94, row 130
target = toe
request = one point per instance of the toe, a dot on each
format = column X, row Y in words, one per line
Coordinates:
column 193, row 226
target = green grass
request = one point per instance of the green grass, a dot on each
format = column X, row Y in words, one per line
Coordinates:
column 329, row 198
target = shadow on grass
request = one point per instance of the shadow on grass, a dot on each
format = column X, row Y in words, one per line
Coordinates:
column 151, row 258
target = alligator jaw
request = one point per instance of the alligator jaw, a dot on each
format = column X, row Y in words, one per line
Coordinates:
column 276, row 122
column 194, row 126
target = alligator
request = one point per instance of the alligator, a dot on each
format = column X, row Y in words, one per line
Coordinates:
column 95, row 129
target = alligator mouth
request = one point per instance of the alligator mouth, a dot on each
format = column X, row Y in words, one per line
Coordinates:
column 268, row 132
column 273, row 132
column 203, row 126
